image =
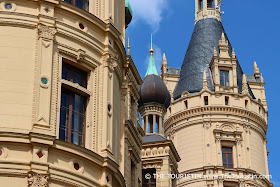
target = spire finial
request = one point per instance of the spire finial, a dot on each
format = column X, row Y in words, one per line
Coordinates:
column 205, row 85
column 128, row 47
column 152, row 50
column 256, row 70
column 164, row 58
column 262, row 79
column 152, row 65
column 245, row 89
column 233, row 53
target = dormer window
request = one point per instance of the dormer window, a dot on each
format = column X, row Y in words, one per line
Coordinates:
column 224, row 78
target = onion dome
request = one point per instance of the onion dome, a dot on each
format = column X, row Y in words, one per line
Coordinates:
column 153, row 90
column 128, row 13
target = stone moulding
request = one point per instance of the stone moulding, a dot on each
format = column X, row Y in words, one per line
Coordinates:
column 213, row 110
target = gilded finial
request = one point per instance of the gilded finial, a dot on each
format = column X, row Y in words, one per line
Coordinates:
column 128, row 47
column 152, row 50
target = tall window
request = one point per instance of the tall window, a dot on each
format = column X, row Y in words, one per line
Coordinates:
column 73, row 106
column 186, row 104
column 226, row 100
column 206, row 102
column 227, row 157
column 224, row 78
column 148, row 178
column 83, row 4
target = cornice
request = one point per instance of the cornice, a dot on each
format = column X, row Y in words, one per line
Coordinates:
column 215, row 110
column 133, row 132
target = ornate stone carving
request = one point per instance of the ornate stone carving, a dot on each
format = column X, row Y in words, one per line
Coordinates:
column 36, row 180
column 80, row 54
column 45, row 32
column 109, row 62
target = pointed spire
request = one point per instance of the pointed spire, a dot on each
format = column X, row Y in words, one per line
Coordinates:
column 152, row 66
column 164, row 64
column 233, row 53
column 262, row 79
column 164, row 58
column 215, row 52
column 128, row 47
column 205, row 85
column 244, row 85
column 223, row 38
column 152, row 50
column 256, row 70
column 223, row 47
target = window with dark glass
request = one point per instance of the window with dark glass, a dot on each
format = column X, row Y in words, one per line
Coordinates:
column 73, row 106
column 224, row 78
column 74, row 75
column 148, row 178
column 226, row 100
column 206, row 100
column 186, row 104
column 83, row 4
column 227, row 157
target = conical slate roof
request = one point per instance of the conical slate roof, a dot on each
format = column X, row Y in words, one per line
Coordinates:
column 205, row 37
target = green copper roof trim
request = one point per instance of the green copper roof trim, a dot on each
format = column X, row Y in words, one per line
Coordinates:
column 127, row 4
column 152, row 67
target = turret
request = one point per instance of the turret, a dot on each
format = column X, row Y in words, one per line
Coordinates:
column 207, row 9
column 154, row 99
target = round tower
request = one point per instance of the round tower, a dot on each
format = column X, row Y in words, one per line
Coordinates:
column 218, row 119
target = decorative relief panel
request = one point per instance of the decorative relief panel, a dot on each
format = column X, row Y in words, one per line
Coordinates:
column 36, row 180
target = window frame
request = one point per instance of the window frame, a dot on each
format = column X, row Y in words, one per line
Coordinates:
column 224, row 77
column 73, row 2
column 227, row 159
column 72, row 91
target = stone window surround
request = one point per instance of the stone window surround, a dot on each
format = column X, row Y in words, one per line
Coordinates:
column 228, row 139
column 80, row 64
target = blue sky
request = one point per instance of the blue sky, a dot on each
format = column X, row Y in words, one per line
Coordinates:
column 253, row 28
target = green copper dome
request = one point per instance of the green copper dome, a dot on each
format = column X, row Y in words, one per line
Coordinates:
column 128, row 13
column 127, row 5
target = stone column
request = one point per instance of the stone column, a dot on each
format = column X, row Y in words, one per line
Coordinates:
column 239, row 153
column 154, row 124
column 219, row 152
column 147, row 124
column 161, row 129
column 143, row 124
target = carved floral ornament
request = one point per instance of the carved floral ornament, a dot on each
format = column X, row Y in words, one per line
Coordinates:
column 110, row 62
column 36, row 180
column 45, row 32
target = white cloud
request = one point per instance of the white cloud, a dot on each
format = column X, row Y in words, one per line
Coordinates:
column 150, row 11
column 158, row 58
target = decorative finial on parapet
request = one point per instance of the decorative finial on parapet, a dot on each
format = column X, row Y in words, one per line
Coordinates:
column 223, row 39
column 262, row 79
column 128, row 47
column 152, row 50
column 164, row 65
column 256, row 71
column 233, row 54
column 164, row 60
column 215, row 52
column 205, row 85
column 245, row 89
